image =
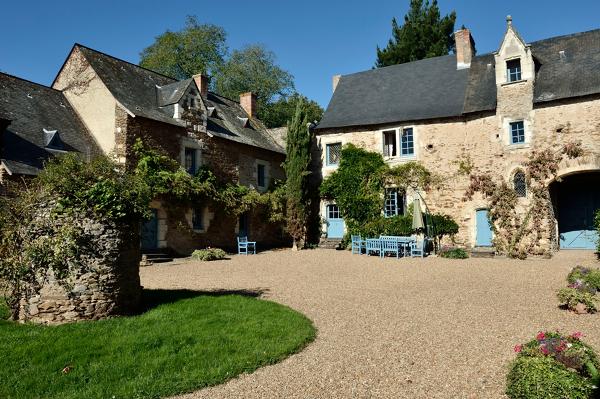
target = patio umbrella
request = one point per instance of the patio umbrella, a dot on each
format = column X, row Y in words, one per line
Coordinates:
column 417, row 222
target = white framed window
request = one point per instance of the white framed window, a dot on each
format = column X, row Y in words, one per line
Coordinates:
column 333, row 153
column 390, row 148
column 394, row 202
column 517, row 132
column 513, row 70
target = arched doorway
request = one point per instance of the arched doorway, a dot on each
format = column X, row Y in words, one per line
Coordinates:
column 576, row 199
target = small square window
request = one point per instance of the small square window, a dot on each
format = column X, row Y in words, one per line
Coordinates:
column 517, row 132
column 190, row 161
column 260, row 175
column 513, row 70
column 333, row 211
column 197, row 222
column 333, row 153
column 408, row 143
column 389, row 143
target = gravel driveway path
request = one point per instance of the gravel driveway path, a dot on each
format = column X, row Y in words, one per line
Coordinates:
column 409, row 328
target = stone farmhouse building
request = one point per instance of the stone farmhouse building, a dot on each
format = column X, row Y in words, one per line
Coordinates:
column 490, row 109
column 106, row 103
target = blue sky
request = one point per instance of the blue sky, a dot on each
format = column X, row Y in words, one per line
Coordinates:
column 312, row 39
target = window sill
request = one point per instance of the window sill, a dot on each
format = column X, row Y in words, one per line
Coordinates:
column 518, row 146
column 199, row 230
column 513, row 83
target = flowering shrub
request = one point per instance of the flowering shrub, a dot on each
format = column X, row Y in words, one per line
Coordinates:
column 585, row 277
column 580, row 294
column 209, row 254
column 454, row 253
column 572, row 297
column 554, row 365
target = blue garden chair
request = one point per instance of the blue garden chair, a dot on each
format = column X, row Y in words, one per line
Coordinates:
column 373, row 245
column 417, row 249
column 390, row 245
column 358, row 244
column 245, row 246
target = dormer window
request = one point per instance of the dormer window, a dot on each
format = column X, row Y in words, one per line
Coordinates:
column 513, row 70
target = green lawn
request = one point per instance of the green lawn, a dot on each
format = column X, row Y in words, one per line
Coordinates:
column 184, row 341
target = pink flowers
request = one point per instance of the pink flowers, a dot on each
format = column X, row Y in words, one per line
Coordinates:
column 577, row 335
column 541, row 336
column 518, row 348
column 544, row 349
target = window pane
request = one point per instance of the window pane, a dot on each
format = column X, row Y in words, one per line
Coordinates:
column 520, row 184
column 261, row 175
column 190, row 160
column 333, row 211
column 334, row 152
column 197, row 219
column 513, row 69
column 408, row 145
column 517, row 132
column 392, row 206
column 389, row 143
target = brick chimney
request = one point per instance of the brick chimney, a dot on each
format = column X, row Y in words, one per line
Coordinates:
column 202, row 83
column 335, row 80
column 465, row 48
column 248, row 103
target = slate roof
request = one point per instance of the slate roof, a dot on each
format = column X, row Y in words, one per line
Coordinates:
column 433, row 88
column 151, row 95
column 42, row 124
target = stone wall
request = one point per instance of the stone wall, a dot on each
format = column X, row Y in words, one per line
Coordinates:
column 105, row 283
column 483, row 139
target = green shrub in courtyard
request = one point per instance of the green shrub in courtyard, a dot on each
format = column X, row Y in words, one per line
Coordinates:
column 571, row 297
column 554, row 366
column 4, row 311
column 587, row 276
column 209, row 254
column 454, row 253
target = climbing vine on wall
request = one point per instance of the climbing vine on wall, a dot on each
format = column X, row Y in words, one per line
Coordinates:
column 519, row 234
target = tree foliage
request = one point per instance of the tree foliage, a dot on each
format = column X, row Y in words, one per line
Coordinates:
column 297, row 168
column 280, row 112
column 197, row 48
column 424, row 34
column 253, row 69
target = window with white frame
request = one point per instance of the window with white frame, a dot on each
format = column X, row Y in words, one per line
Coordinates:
column 394, row 202
column 389, row 143
column 408, row 142
column 190, row 160
column 517, row 132
column 333, row 152
column 513, row 70
column 520, row 184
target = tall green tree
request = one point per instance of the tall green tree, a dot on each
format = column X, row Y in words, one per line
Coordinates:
column 297, row 169
column 424, row 34
column 253, row 68
column 197, row 48
column 280, row 112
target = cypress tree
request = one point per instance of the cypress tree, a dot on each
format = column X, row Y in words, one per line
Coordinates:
column 297, row 169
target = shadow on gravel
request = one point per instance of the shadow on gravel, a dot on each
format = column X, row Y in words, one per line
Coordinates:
column 153, row 298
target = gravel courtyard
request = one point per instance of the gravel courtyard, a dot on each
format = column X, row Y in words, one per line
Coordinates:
column 409, row 328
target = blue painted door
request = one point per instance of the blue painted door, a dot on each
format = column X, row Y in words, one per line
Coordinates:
column 335, row 223
column 150, row 232
column 484, row 230
column 578, row 201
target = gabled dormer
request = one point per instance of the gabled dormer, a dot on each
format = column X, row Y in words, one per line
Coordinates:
column 514, row 62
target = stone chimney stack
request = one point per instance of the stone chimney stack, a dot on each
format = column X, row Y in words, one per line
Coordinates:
column 202, row 83
column 465, row 48
column 248, row 103
column 335, row 81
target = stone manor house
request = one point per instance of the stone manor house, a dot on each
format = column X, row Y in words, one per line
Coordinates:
column 101, row 104
column 494, row 109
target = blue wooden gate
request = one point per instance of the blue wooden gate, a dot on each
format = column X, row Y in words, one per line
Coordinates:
column 150, row 232
column 335, row 223
column 483, row 229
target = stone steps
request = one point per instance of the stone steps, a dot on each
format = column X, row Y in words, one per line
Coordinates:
column 483, row 252
column 330, row 243
column 149, row 258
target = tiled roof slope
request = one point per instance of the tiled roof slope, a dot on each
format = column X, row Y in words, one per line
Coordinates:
column 434, row 88
column 151, row 95
column 35, row 112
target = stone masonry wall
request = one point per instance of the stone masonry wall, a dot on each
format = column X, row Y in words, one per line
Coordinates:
column 105, row 283
column 483, row 138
